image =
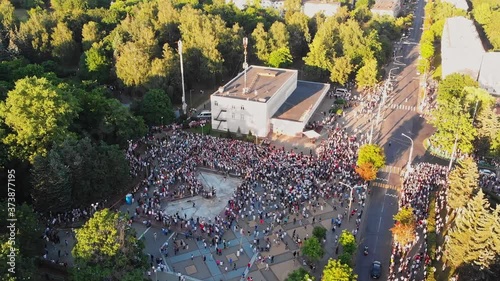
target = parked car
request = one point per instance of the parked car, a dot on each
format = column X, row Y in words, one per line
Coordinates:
column 205, row 114
column 376, row 270
column 486, row 172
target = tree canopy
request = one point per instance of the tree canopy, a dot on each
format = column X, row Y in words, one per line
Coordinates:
column 107, row 249
column 336, row 271
column 312, row 249
column 38, row 114
column 371, row 153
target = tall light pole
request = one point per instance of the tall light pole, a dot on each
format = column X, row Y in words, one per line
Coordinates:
column 382, row 102
column 350, row 199
column 245, row 64
column 184, row 104
column 408, row 166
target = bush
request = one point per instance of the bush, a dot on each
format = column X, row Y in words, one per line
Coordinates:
column 345, row 258
column 339, row 111
column 319, row 232
column 340, row 101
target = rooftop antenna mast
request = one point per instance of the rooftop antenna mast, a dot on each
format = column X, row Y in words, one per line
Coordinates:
column 245, row 64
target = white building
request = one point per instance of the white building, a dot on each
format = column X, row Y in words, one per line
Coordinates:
column 387, row 8
column 461, row 48
column 460, row 4
column 462, row 51
column 273, row 100
column 489, row 73
column 242, row 4
column 328, row 8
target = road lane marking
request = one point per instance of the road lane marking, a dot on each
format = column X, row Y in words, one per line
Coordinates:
column 379, row 224
column 147, row 229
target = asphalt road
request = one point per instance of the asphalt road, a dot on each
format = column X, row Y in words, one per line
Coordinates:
column 399, row 116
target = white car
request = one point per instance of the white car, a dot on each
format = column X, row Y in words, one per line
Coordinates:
column 486, row 172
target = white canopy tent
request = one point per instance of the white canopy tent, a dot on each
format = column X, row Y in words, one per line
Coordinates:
column 312, row 134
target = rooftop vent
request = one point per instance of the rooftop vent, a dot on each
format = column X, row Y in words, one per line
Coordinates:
column 268, row 73
column 221, row 89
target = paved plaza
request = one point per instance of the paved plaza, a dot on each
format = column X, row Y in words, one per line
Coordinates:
column 238, row 255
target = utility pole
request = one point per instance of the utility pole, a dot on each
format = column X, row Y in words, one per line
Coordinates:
column 245, row 64
column 184, row 104
column 350, row 199
column 382, row 101
column 408, row 166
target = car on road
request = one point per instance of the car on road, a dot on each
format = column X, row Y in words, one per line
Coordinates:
column 486, row 172
column 205, row 114
column 376, row 270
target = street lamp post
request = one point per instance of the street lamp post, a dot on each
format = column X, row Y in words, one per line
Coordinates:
column 408, row 166
column 184, row 105
column 245, row 64
column 350, row 199
column 190, row 98
column 202, row 125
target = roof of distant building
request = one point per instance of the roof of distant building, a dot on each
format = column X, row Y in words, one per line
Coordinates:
column 489, row 75
column 388, row 5
column 321, row 2
column 461, row 4
column 262, row 83
column 461, row 33
column 300, row 102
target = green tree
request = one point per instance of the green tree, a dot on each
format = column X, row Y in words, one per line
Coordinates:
column 371, row 153
column 132, row 65
column 38, row 114
column 470, row 238
column 453, row 86
column 106, row 119
column 367, row 75
column 405, row 216
column 348, row 242
column 462, row 183
column 90, row 34
column 63, row 45
column 260, row 38
column 312, row 249
column 78, row 173
column 299, row 275
column 341, row 70
column 96, row 64
column 156, row 108
column 25, row 244
column 107, row 249
column 453, row 123
column 278, row 36
column 336, row 271
column 280, row 58
column 297, row 24
column 7, row 16
column 33, row 37
column 319, row 232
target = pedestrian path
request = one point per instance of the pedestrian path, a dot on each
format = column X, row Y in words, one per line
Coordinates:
column 402, row 107
column 385, row 185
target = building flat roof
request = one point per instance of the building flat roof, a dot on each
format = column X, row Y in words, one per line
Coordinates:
column 385, row 5
column 459, row 32
column 489, row 75
column 262, row 83
column 300, row 101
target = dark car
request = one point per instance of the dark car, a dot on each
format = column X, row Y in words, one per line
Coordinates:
column 376, row 270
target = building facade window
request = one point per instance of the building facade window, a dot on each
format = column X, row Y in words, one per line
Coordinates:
column 216, row 103
column 233, row 116
column 233, row 107
column 242, row 107
column 242, row 116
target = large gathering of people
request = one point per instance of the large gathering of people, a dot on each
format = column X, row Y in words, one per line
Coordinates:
column 408, row 261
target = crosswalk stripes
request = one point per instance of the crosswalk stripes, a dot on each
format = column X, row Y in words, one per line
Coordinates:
column 391, row 169
column 384, row 185
column 402, row 106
